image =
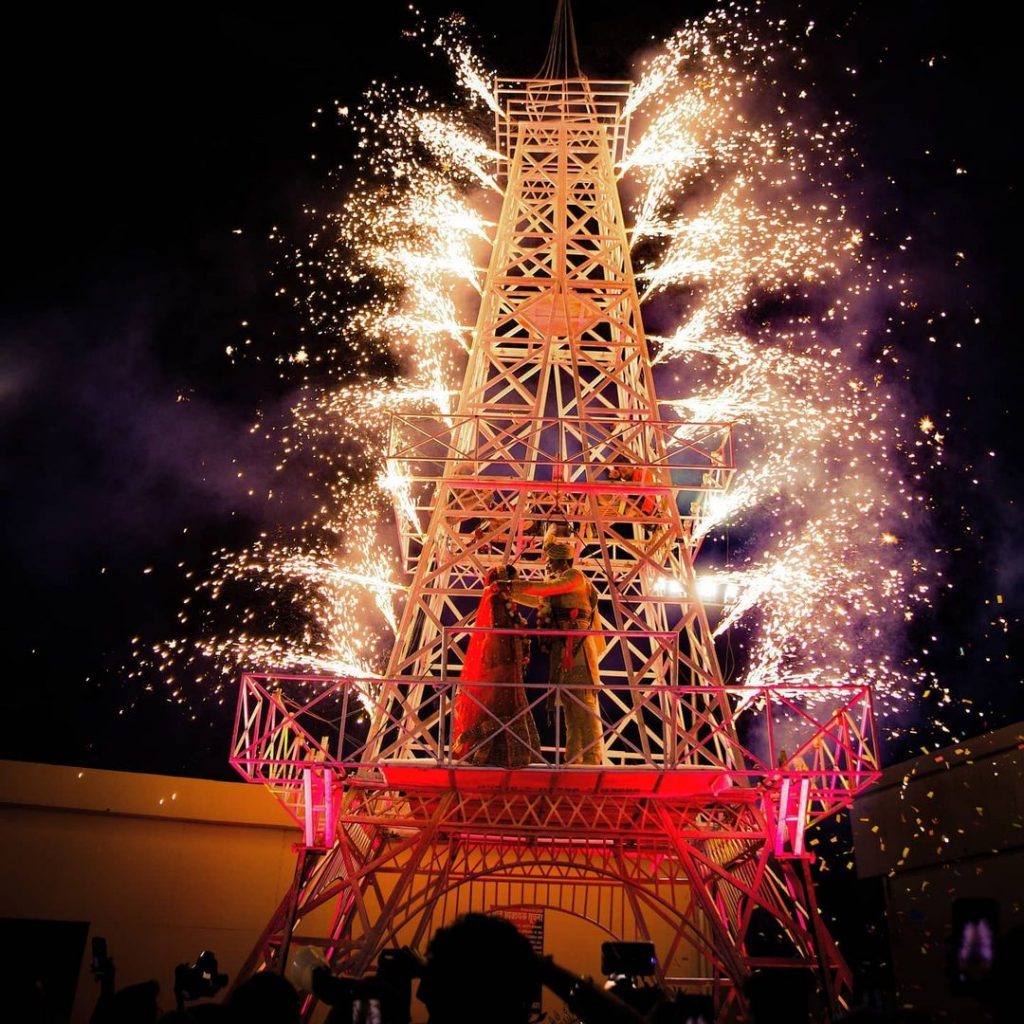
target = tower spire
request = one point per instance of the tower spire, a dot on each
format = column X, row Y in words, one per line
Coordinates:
column 563, row 59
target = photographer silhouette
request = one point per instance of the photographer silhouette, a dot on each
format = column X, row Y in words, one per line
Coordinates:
column 482, row 968
column 479, row 968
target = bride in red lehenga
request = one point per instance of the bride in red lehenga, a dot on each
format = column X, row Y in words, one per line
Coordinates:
column 491, row 723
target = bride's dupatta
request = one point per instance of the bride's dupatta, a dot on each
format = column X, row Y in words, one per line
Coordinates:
column 490, row 723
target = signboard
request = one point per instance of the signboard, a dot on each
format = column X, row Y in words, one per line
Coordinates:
column 530, row 922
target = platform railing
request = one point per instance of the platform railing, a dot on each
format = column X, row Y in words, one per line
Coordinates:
column 517, row 100
column 633, row 716
column 627, row 657
column 508, row 473
column 506, row 448
column 820, row 738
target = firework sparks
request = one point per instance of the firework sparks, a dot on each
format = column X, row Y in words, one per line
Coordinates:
column 736, row 208
column 739, row 221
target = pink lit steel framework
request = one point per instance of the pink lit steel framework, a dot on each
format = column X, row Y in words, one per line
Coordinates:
column 697, row 815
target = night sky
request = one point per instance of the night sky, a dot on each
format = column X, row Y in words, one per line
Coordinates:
column 152, row 153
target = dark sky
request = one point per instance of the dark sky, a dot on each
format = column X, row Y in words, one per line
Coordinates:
column 138, row 142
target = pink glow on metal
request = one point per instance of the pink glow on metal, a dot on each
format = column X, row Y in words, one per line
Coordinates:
column 296, row 733
column 705, row 787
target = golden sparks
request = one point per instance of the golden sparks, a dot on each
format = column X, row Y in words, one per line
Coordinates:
column 743, row 242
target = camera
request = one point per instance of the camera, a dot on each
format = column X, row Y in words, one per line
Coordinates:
column 625, row 962
column 200, row 980
column 628, row 959
column 102, row 965
column 381, row 998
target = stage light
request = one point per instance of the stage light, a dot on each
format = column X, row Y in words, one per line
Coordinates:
column 669, row 586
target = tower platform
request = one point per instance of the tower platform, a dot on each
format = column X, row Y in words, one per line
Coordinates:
column 310, row 740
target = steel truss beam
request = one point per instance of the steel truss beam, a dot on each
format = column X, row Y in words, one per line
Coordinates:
column 707, row 890
column 696, row 819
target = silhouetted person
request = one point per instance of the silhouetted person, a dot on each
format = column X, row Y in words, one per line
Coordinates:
column 134, row 1004
column 199, row 1013
column 265, row 998
column 25, row 997
column 479, row 969
column 1003, row 996
column 779, row 996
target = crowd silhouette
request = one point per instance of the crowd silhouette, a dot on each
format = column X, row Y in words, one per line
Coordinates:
column 478, row 970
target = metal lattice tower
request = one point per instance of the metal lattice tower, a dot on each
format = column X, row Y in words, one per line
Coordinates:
column 697, row 816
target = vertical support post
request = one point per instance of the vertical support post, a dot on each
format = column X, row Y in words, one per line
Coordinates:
column 320, row 806
column 304, row 857
column 791, row 816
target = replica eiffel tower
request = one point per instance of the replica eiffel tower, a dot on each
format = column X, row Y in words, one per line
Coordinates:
column 691, row 826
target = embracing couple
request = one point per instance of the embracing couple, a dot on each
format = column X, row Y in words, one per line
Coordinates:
column 492, row 721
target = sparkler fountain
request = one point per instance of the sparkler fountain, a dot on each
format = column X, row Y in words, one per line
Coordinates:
column 697, row 815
